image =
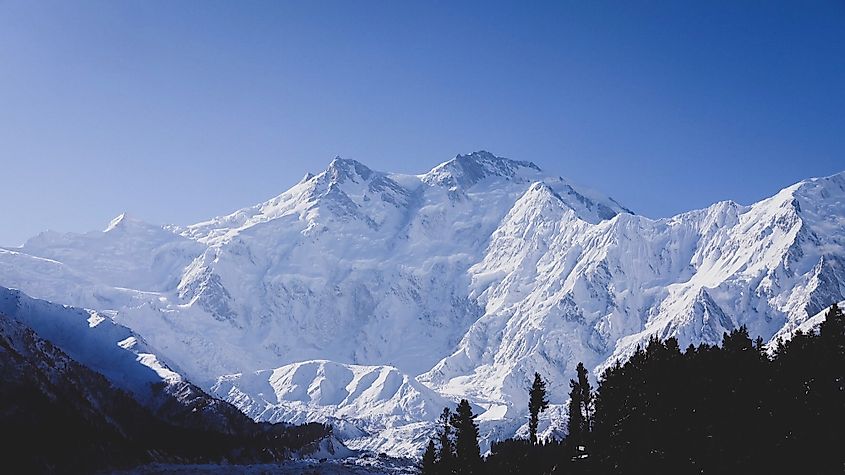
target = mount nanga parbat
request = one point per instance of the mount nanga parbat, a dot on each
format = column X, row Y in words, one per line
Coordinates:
column 371, row 300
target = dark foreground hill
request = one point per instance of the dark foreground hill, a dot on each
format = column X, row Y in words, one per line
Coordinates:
column 60, row 416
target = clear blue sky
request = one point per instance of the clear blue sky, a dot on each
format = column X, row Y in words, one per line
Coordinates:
column 179, row 111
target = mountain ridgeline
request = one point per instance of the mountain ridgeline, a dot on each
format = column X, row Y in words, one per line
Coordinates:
column 368, row 300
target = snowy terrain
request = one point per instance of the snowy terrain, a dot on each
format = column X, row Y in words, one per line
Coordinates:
column 95, row 344
column 372, row 299
column 375, row 408
column 93, row 340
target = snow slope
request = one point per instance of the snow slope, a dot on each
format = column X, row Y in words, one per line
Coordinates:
column 566, row 291
column 375, row 408
column 94, row 340
column 471, row 277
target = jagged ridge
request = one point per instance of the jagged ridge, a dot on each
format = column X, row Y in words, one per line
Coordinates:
column 477, row 274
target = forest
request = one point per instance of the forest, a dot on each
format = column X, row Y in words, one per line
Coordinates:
column 738, row 407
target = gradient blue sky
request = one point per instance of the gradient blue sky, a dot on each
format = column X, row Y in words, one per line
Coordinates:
column 179, row 111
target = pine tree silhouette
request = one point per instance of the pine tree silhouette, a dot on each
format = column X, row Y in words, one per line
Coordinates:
column 428, row 465
column 580, row 413
column 446, row 456
column 467, row 452
column 537, row 403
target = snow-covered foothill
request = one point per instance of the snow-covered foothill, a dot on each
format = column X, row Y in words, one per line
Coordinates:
column 375, row 408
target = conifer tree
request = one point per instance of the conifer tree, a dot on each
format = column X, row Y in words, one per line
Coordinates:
column 575, row 422
column 586, row 398
column 428, row 466
column 446, row 461
column 832, row 329
column 467, row 452
column 537, row 403
column 580, row 409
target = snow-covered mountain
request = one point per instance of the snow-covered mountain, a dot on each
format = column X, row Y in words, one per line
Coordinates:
column 378, row 297
column 564, row 290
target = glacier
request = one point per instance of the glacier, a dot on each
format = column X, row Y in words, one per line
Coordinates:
column 371, row 299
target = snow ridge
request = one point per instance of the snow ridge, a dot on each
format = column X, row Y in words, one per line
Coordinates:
column 376, row 298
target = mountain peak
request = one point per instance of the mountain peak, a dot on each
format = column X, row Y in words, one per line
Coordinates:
column 341, row 169
column 120, row 221
column 483, row 156
column 129, row 223
column 464, row 171
column 541, row 188
column 814, row 198
column 833, row 183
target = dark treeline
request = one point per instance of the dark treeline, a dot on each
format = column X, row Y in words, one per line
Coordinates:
column 708, row 409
